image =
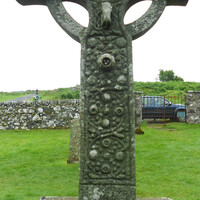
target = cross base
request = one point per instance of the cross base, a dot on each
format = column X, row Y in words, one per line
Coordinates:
column 76, row 198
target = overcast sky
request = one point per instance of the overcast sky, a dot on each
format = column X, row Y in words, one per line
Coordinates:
column 35, row 53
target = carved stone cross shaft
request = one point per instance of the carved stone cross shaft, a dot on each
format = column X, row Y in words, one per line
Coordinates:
column 107, row 161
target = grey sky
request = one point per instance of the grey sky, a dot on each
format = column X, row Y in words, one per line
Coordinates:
column 37, row 53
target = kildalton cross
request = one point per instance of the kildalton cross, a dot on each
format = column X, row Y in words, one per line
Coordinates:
column 107, row 157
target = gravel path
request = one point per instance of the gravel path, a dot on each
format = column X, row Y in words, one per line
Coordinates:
column 24, row 98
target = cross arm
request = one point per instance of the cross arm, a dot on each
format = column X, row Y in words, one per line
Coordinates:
column 177, row 2
column 31, row 2
column 44, row 2
column 169, row 2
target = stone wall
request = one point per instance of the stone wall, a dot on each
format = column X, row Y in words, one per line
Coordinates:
column 38, row 115
column 48, row 114
column 193, row 107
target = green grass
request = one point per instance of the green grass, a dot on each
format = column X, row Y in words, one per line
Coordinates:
column 57, row 94
column 171, row 88
column 168, row 161
column 5, row 96
column 60, row 93
column 33, row 163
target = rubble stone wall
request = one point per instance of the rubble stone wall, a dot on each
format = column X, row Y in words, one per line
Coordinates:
column 48, row 114
column 38, row 115
column 193, row 107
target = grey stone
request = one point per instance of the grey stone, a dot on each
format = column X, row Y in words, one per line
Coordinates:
column 75, row 130
column 40, row 110
column 28, row 115
column 51, row 124
column 57, row 109
column 74, row 147
column 138, row 109
column 37, row 118
column 193, row 107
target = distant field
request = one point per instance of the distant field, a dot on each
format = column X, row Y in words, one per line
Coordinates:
column 171, row 88
column 57, row 94
column 33, row 163
column 6, row 96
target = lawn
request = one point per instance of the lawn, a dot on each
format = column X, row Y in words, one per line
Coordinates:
column 168, row 161
column 33, row 163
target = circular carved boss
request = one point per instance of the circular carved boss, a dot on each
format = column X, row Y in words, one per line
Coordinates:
column 135, row 29
column 106, row 61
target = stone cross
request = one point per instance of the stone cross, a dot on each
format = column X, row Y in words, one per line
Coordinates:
column 107, row 155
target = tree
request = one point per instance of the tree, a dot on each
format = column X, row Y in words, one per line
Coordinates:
column 168, row 75
column 177, row 78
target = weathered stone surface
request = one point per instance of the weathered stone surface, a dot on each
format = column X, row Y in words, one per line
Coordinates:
column 74, row 147
column 138, row 109
column 75, row 129
column 38, row 115
column 193, row 107
column 107, row 164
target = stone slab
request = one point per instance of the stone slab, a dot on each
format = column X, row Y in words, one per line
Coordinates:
column 74, row 146
column 76, row 198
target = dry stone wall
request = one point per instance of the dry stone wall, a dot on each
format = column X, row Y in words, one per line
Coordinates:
column 38, row 115
column 193, row 107
column 48, row 114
